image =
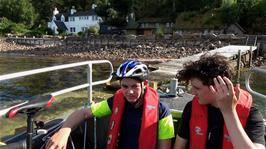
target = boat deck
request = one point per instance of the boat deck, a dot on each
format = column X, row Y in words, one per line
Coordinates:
column 178, row 102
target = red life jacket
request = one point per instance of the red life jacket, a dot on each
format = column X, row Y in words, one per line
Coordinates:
column 148, row 131
column 199, row 121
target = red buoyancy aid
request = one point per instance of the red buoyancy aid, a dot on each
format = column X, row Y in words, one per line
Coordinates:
column 148, row 130
column 199, row 121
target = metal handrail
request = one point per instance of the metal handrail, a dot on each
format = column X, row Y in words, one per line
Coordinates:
column 52, row 68
column 247, row 40
column 247, row 78
column 89, row 84
column 255, row 43
column 60, row 67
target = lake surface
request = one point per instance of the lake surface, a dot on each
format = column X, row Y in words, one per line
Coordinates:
column 16, row 90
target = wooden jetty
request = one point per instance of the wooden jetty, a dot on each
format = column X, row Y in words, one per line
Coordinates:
column 169, row 69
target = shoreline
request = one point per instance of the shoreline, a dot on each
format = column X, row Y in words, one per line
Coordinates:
column 151, row 55
column 150, row 52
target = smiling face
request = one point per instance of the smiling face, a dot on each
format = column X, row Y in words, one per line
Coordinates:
column 131, row 89
column 202, row 91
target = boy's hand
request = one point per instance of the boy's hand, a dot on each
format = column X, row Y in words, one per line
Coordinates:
column 224, row 93
column 59, row 139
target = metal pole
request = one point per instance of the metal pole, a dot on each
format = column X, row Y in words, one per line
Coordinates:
column 250, row 56
column 29, row 130
column 258, row 50
column 87, row 104
column 238, row 67
column 90, row 102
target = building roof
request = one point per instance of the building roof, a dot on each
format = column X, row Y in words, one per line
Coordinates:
column 61, row 25
column 154, row 20
column 80, row 13
column 58, row 16
column 238, row 26
column 131, row 25
column 91, row 12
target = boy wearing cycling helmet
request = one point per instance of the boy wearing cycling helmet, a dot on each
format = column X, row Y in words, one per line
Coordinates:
column 138, row 118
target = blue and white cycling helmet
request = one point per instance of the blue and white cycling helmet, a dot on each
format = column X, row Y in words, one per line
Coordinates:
column 132, row 69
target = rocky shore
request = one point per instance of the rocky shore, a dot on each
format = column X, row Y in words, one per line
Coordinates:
column 152, row 52
column 159, row 50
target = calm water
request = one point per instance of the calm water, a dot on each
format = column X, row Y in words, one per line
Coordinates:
column 258, row 83
column 15, row 91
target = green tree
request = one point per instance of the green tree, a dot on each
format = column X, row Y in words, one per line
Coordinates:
column 228, row 3
column 44, row 10
column 7, row 26
column 147, row 8
column 229, row 14
column 253, row 15
column 114, row 12
column 93, row 30
column 249, row 11
column 102, row 6
column 19, row 11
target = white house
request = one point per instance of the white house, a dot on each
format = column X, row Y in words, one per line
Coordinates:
column 74, row 22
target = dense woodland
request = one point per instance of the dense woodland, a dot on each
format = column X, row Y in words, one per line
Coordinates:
column 31, row 16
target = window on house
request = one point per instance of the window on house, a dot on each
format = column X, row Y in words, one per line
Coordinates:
column 167, row 24
column 84, row 29
column 146, row 25
column 62, row 18
column 172, row 24
column 72, row 29
column 156, row 25
column 71, row 18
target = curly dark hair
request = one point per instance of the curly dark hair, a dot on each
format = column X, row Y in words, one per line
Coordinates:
column 205, row 69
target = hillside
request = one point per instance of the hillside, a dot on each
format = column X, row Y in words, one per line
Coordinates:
column 199, row 19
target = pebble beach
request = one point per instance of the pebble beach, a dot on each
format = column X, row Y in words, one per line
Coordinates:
column 149, row 52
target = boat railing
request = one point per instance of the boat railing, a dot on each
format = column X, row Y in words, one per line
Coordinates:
column 247, row 79
column 65, row 66
column 88, row 85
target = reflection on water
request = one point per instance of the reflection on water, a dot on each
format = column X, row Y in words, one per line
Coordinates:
column 15, row 90
column 258, row 84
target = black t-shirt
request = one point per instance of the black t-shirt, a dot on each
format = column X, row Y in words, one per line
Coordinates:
column 131, row 123
column 254, row 127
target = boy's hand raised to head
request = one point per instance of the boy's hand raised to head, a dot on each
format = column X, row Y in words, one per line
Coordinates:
column 224, row 94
